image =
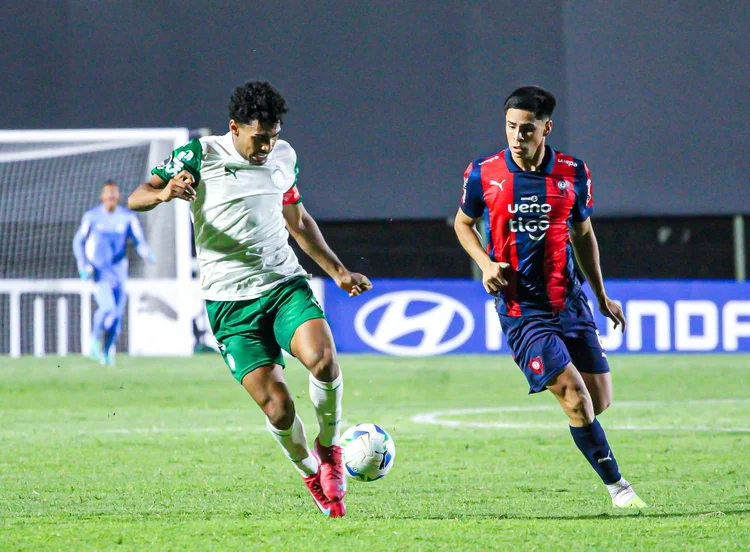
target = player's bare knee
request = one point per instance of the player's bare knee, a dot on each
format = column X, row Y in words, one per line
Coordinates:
column 578, row 403
column 279, row 409
column 322, row 364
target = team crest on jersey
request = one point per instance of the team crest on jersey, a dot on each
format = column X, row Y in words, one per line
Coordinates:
column 563, row 185
column 278, row 179
column 536, row 365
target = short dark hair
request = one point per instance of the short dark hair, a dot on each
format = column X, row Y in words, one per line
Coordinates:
column 110, row 182
column 257, row 101
column 536, row 99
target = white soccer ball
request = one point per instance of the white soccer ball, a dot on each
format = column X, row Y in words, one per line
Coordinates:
column 369, row 452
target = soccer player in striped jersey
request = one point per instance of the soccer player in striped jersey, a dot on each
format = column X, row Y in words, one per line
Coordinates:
column 536, row 204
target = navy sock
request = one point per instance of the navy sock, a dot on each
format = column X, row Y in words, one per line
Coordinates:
column 592, row 442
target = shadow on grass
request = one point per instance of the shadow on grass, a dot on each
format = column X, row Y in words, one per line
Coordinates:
column 604, row 516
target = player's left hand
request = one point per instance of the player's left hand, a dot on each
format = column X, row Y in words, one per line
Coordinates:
column 613, row 311
column 146, row 254
column 86, row 272
column 354, row 283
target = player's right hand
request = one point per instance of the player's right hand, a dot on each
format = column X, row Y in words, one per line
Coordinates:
column 493, row 278
column 613, row 311
column 181, row 187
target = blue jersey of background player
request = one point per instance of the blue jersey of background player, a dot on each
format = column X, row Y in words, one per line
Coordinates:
column 536, row 205
column 100, row 248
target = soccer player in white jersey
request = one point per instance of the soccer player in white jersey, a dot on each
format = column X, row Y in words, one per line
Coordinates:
column 244, row 202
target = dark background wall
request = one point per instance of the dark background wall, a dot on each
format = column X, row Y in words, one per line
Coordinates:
column 390, row 100
column 660, row 103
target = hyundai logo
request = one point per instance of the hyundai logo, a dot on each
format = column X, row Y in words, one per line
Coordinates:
column 434, row 324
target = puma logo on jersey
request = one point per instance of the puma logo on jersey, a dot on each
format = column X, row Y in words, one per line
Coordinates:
column 233, row 172
column 498, row 184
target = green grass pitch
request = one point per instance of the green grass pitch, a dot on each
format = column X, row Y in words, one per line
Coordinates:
column 170, row 454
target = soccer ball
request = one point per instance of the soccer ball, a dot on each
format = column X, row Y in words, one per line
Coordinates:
column 369, row 452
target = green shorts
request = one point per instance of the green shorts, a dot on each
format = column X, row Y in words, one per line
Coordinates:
column 252, row 333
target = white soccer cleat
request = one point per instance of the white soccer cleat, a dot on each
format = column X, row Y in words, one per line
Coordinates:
column 623, row 495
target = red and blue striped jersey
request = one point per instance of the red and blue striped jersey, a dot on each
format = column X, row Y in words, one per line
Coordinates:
column 527, row 216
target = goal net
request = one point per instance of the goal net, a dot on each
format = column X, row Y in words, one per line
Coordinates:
column 49, row 178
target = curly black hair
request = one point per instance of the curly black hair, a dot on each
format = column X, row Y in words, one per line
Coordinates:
column 257, row 101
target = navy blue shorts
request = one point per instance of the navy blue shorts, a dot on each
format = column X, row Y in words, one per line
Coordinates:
column 544, row 345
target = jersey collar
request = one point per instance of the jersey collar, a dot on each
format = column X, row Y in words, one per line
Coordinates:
column 228, row 144
column 548, row 163
column 103, row 210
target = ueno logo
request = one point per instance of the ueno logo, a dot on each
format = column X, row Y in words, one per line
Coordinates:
column 530, row 226
column 568, row 162
column 433, row 323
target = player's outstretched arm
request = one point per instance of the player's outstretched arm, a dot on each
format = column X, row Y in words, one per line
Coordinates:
column 306, row 233
column 150, row 194
column 586, row 250
column 492, row 272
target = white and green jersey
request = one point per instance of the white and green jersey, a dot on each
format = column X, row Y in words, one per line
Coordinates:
column 240, row 232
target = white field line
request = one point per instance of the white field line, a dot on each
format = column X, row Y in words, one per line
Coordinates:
column 437, row 417
column 71, row 431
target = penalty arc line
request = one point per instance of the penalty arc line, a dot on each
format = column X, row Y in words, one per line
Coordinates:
column 436, row 418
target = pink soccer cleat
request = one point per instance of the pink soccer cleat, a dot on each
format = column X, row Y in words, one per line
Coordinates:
column 332, row 476
column 327, row 508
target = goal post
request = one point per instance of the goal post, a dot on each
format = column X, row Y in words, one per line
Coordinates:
column 27, row 146
column 48, row 179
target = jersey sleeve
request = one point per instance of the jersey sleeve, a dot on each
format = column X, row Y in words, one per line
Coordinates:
column 135, row 231
column 188, row 157
column 472, row 200
column 79, row 241
column 584, row 203
column 292, row 196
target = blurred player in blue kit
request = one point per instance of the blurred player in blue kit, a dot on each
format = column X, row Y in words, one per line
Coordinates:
column 536, row 204
column 100, row 248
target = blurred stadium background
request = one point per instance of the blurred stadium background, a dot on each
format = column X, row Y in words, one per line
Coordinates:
column 387, row 108
column 389, row 101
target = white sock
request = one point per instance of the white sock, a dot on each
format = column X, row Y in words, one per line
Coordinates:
column 326, row 398
column 615, row 488
column 294, row 443
column 621, row 491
